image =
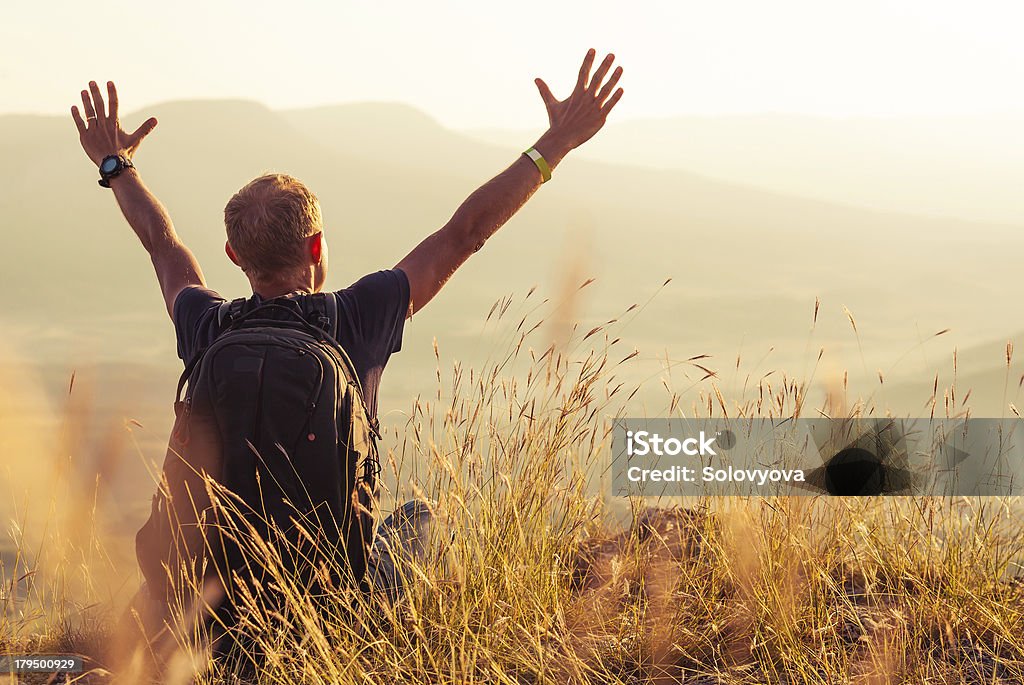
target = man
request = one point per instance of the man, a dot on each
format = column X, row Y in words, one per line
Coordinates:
column 275, row 234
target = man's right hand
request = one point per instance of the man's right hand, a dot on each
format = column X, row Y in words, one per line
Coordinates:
column 100, row 132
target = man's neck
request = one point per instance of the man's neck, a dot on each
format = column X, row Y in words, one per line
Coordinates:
column 269, row 291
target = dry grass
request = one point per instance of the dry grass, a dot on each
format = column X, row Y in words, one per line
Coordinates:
column 532, row 579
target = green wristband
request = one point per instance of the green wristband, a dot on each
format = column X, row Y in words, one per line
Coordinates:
column 542, row 164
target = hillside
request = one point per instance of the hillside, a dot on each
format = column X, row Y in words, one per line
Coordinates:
column 969, row 167
column 747, row 263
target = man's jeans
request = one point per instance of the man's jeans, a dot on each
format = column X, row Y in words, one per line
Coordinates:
column 401, row 539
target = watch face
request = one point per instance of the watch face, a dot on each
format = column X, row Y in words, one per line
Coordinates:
column 109, row 165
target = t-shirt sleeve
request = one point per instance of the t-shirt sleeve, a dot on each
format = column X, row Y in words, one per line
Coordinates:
column 191, row 309
column 377, row 305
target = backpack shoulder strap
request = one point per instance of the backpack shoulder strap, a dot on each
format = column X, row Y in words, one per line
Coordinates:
column 325, row 308
column 331, row 302
column 228, row 310
column 326, row 304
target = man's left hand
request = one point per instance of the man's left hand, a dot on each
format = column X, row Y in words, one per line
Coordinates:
column 577, row 118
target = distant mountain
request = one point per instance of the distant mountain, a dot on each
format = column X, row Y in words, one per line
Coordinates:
column 981, row 370
column 970, row 167
column 79, row 298
column 747, row 263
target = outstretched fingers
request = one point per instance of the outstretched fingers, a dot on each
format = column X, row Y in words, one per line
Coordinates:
column 111, row 101
column 141, row 132
column 97, row 99
column 607, row 107
column 87, row 107
column 610, row 86
column 79, row 122
column 599, row 75
column 545, row 93
column 588, row 62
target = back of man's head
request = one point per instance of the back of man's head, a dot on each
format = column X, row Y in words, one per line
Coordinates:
column 268, row 222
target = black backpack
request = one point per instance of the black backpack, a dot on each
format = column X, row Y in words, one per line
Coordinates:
column 273, row 412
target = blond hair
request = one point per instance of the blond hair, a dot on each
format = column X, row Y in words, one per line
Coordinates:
column 267, row 223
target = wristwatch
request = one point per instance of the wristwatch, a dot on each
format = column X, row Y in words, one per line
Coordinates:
column 111, row 167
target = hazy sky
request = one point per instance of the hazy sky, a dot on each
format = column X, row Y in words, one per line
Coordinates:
column 471, row 64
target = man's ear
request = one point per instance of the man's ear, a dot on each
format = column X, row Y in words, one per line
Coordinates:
column 231, row 254
column 316, row 247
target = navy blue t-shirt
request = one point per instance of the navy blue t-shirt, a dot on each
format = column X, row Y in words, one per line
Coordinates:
column 371, row 316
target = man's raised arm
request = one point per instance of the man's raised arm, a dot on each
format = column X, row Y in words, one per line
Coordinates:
column 105, row 142
column 573, row 121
